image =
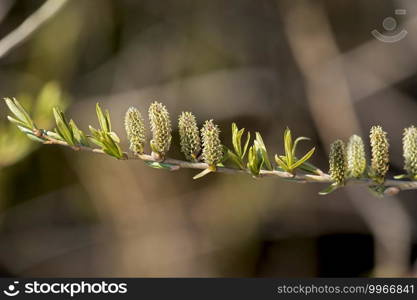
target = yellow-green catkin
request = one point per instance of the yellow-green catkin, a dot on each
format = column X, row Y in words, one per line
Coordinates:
column 380, row 154
column 337, row 162
column 135, row 130
column 160, row 128
column 189, row 136
column 212, row 147
column 356, row 161
column 410, row 151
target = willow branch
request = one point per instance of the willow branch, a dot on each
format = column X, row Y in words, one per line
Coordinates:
column 392, row 186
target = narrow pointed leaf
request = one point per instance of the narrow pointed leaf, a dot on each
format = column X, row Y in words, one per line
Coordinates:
column 63, row 128
column 79, row 135
column 281, row 163
column 18, row 110
column 234, row 158
column 245, row 148
column 54, row 135
column 303, row 159
column 261, row 150
column 101, row 118
column 114, row 136
column 288, row 145
column 308, row 167
column 94, row 131
column 235, row 138
column 108, row 122
column 110, row 146
column 29, row 133
column 297, row 140
column 17, row 122
column 96, row 141
column 203, row 173
column 331, row 188
column 158, row 165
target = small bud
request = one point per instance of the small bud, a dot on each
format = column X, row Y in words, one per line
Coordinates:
column 380, row 154
column 135, row 130
column 356, row 161
column 410, row 150
column 337, row 162
column 161, row 128
column 189, row 136
column 212, row 147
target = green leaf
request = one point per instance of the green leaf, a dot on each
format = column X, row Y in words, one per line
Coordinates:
column 154, row 148
column 235, row 139
column 63, row 128
column 238, row 155
column 96, row 141
column 29, row 133
column 288, row 145
column 303, row 159
column 106, row 142
column 17, row 122
column 21, row 114
column 158, row 165
column 110, row 146
column 308, row 167
column 297, row 140
column 203, row 173
column 102, row 119
column 104, row 137
column 94, row 131
column 331, row 188
column 401, row 176
column 289, row 161
column 114, row 136
column 283, row 158
column 252, row 161
column 108, row 122
column 261, row 150
column 24, row 129
column 35, row 138
column 234, row 158
column 255, row 161
column 245, row 148
column 377, row 190
column 79, row 135
column 54, row 135
column 281, row 163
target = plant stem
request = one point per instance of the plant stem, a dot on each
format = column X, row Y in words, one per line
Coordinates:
column 392, row 186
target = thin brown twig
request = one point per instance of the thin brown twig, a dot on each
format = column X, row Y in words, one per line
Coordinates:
column 392, row 186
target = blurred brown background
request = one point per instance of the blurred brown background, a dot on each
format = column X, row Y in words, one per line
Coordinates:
column 308, row 64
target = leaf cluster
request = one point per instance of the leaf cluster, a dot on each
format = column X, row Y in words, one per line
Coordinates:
column 289, row 162
column 104, row 137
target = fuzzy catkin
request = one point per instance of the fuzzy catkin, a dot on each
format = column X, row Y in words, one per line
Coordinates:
column 160, row 128
column 212, row 147
column 189, row 136
column 135, row 130
column 337, row 162
column 410, row 150
column 356, row 161
column 380, row 153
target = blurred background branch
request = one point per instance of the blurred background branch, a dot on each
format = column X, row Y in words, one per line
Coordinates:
column 30, row 25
